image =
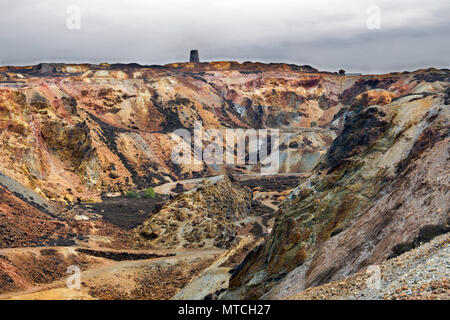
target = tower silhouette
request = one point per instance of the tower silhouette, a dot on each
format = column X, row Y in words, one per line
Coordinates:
column 193, row 57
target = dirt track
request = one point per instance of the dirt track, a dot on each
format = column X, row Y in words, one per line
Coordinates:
column 129, row 273
column 167, row 187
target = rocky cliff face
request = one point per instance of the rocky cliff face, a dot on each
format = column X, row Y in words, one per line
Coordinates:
column 75, row 131
column 419, row 274
column 383, row 183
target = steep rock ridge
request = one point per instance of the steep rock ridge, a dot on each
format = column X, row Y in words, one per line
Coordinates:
column 421, row 273
column 383, row 180
column 207, row 216
column 24, row 225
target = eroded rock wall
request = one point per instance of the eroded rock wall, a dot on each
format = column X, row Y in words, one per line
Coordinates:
column 384, row 179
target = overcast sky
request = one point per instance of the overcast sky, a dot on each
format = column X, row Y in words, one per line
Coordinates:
column 357, row 35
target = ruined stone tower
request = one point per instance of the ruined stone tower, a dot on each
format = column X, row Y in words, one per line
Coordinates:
column 193, row 57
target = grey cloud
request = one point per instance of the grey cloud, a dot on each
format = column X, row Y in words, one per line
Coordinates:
column 325, row 34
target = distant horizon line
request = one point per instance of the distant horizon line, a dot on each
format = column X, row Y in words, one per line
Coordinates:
column 347, row 72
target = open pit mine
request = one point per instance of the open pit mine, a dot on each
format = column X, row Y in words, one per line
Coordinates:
column 93, row 205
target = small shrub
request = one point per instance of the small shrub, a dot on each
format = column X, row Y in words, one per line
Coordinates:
column 132, row 194
column 149, row 193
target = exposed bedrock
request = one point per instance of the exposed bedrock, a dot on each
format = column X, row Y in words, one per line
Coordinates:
column 384, row 180
column 73, row 132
